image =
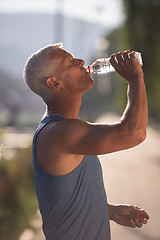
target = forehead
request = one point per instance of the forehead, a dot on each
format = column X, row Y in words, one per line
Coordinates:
column 61, row 53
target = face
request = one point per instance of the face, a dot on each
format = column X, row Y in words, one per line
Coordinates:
column 71, row 72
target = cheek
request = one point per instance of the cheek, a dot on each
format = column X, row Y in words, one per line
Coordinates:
column 72, row 81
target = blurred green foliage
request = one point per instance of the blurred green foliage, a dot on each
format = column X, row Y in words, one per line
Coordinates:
column 18, row 202
column 140, row 32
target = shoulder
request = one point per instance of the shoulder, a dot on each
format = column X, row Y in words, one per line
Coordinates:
column 62, row 129
column 67, row 128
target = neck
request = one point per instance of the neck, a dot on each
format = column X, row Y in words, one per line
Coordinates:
column 67, row 107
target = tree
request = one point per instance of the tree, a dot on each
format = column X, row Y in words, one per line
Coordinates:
column 18, row 203
column 140, row 32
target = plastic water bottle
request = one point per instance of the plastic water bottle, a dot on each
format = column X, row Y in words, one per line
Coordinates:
column 103, row 65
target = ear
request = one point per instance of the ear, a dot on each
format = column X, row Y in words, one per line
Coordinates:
column 52, row 82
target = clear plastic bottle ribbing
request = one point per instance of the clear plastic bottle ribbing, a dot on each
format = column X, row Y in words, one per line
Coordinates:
column 103, row 66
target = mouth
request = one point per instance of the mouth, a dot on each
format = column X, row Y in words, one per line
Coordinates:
column 88, row 69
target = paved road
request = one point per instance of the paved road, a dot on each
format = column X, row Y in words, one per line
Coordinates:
column 133, row 176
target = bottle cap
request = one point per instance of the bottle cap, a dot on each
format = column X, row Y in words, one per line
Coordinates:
column 88, row 69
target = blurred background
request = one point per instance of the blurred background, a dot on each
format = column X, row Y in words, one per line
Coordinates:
column 89, row 29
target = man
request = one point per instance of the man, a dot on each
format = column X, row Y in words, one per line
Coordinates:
column 67, row 172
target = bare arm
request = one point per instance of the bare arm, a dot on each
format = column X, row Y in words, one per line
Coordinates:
column 79, row 137
column 135, row 116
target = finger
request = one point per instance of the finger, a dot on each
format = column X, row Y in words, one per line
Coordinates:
column 132, row 54
column 126, row 54
column 133, row 225
column 140, row 217
column 119, row 57
column 144, row 221
column 113, row 60
column 145, row 215
column 138, row 223
column 141, row 213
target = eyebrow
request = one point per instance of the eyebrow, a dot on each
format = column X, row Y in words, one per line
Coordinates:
column 67, row 56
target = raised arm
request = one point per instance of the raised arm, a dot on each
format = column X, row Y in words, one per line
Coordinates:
column 135, row 116
column 79, row 137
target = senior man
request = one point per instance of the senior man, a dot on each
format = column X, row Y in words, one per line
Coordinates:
column 67, row 172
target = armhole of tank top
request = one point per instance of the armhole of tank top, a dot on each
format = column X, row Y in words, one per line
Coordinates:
column 41, row 125
column 39, row 128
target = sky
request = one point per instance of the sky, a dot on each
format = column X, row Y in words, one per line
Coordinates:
column 105, row 12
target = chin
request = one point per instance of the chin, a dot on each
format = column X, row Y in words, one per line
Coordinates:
column 91, row 83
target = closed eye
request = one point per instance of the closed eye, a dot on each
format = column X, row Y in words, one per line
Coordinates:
column 70, row 61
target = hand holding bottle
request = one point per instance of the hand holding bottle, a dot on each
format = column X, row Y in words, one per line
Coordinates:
column 104, row 65
column 127, row 65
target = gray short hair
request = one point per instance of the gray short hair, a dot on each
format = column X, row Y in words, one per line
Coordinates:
column 38, row 67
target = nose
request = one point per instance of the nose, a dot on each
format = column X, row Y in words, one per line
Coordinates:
column 80, row 62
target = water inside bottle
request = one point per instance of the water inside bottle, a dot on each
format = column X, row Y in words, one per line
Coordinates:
column 102, row 66
column 105, row 69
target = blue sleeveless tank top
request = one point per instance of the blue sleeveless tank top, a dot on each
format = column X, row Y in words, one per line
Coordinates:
column 73, row 206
